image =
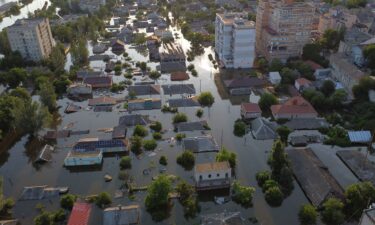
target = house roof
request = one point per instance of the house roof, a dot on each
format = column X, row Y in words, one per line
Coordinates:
column 148, row 89
column 174, row 89
column 104, row 100
column 102, row 81
column 360, row 136
column 313, row 65
column 80, row 214
column 251, row 107
column 244, row 82
column 184, row 102
column 133, row 119
column 295, row 105
column 200, row 144
column 212, row 167
column 178, row 76
column 121, row 215
column 303, row 81
column 263, row 129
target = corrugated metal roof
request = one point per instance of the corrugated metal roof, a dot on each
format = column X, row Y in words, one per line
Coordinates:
column 360, row 136
column 80, row 214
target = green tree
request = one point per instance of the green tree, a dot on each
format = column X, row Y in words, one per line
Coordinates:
column 156, row 126
column 199, row 113
column 136, row 144
column 79, row 52
column 21, row 93
column 356, row 3
column 283, row 132
column 275, row 65
column 103, row 199
column 331, row 39
column 157, row 193
column 225, row 155
column 150, row 144
column 125, row 162
column 365, row 84
column 45, row 218
column 67, row 201
column 57, row 59
column 154, row 75
column 328, row 88
column 180, row 117
column 206, row 99
column 274, row 196
column 369, row 54
column 186, row 159
column 262, row 177
column 239, row 128
column 307, row 215
column 332, row 213
column 163, row 160
column 187, row 198
column 48, row 96
column 357, row 198
column 266, row 101
column 242, row 194
column 140, row 131
column 15, row 76
column 277, row 159
column 139, row 38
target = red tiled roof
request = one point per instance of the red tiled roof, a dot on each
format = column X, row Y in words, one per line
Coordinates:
column 295, row 105
column 102, row 101
column 303, row 81
column 313, row 65
column 80, row 214
column 178, row 76
column 251, row 107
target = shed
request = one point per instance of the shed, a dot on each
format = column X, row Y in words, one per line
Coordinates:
column 360, row 136
column 179, row 76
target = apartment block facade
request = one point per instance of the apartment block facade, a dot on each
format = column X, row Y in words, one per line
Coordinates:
column 283, row 28
column 235, row 40
column 32, row 38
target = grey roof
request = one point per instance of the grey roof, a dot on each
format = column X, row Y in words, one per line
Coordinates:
column 200, row 144
column 306, row 123
column 225, row 218
column 191, row 126
column 263, row 129
column 85, row 73
column 148, row 89
column 183, row 102
column 119, row 132
column 121, row 215
column 313, row 176
column 173, row 89
column 46, row 154
column 38, row 192
column 133, row 119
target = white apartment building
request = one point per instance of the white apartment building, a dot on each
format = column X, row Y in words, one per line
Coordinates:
column 235, row 40
column 32, row 38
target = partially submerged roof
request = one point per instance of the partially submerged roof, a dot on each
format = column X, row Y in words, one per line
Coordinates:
column 192, row 126
column 263, row 129
column 134, row 119
column 200, row 144
column 244, row 82
column 313, row 176
column 360, row 136
column 80, row 214
column 306, row 123
column 225, row 218
column 119, row 132
column 179, row 76
column 212, row 167
column 104, row 100
column 251, row 107
column 99, row 82
column 39, row 192
column 121, row 215
column 183, row 102
column 174, row 89
column 148, row 89
column 46, row 154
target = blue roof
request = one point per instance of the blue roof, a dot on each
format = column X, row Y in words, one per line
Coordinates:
column 360, row 136
column 99, row 144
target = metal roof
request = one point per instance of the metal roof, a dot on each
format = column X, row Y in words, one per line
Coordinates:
column 360, row 136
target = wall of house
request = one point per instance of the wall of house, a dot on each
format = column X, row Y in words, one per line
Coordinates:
column 206, row 176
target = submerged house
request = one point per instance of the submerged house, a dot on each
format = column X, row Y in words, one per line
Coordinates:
column 122, row 215
column 172, row 58
column 243, row 85
column 80, row 214
column 133, row 120
column 263, row 129
column 99, row 82
column 104, row 145
column 214, row 175
column 295, row 107
column 200, row 144
column 144, row 104
column 83, row 158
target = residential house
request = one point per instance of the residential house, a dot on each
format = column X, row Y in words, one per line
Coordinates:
column 82, row 74
column 200, row 144
column 143, row 90
column 172, row 58
column 214, row 175
column 250, row 110
column 274, row 78
column 338, row 17
column 4, row 8
column 102, row 101
column 144, row 104
column 80, row 214
column 295, row 107
column 133, row 120
column 235, row 40
column 302, row 84
column 178, row 89
column 103, row 145
column 179, row 76
column 243, row 85
column 118, row 46
column 83, row 158
column 91, row 6
column 122, row 215
column 79, row 89
column 263, row 129
column 99, row 82
column 344, row 71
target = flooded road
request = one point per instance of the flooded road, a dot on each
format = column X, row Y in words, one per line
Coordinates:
column 18, row 169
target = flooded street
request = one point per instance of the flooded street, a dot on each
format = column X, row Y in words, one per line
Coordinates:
column 18, row 169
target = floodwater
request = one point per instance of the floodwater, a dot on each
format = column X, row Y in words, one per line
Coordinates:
column 30, row 8
column 18, row 170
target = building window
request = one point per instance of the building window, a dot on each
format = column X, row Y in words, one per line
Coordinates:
column 226, row 175
column 209, row 175
column 200, row 177
column 218, row 175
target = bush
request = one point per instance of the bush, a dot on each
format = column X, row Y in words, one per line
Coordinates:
column 67, row 201
column 103, row 199
column 194, row 73
column 157, row 193
column 239, row 128
column 157, row 136
column 206, row 99
column 157, row 126
column 190, row 67
column 136, row 144
column 199, row 113
column 149, row 145
column 140, row 131
column 274, row 196
column 186, row 160
column 307, row 215
column 225, row 155
column 163, row 160
column 123, row 175
column 333, row 212
column 187, row 198
column 243, row 195
column 262, row 177
column 180, row 136
column 126, row 162
column 180, row 117
column 269, row 184
column 266, row 100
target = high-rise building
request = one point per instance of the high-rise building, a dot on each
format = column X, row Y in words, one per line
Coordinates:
column 235, row 40
column 283, row 28
column 32, row 38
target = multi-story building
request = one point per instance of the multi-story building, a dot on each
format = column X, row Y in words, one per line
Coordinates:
column 32, row 38
column 283, row 28
column 336, row 18
column 235, row 40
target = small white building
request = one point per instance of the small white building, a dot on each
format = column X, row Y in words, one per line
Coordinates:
column 84, row 158
column 215, row 175
column 275, row 78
